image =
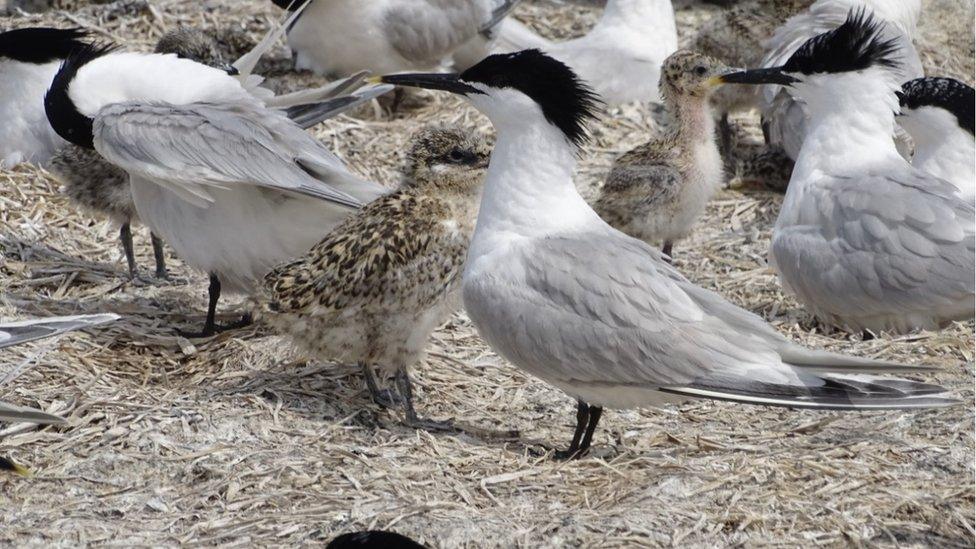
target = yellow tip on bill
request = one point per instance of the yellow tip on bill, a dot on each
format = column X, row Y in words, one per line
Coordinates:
column 374, row 80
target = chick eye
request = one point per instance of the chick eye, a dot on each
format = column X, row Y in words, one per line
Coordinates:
column 700, row 70
column 457, row 156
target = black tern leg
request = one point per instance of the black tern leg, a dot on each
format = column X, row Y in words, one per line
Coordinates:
column 160, row 255
column 125, row 235
column 668, row 247
column 383, row 397
column 596, row 412
column 210, row 327
column 725, row 135
column 582, row 421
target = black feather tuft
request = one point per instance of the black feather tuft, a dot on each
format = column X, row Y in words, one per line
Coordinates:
column 40, row 45
column 946, row 93
column 853, row 46
column 62, row 113
column 375, row 539
column 565, row 100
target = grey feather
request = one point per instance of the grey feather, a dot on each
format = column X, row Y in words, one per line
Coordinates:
column 11, row 413
column 425, row 32
column 23, row 331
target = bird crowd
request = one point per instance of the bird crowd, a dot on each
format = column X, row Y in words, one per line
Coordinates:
column 875, row 235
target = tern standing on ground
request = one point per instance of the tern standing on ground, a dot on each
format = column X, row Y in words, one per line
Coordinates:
column 601, row 315
column 865, row 240
column 620, row 58
column 938, row 113
column 233, row 186
column 377, row 286
column 658, row 191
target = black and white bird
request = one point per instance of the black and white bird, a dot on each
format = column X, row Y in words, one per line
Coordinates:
column 784, row 118
column 341, row 37
column 938, row 114
column 233, row 186
column 865, row 240
column 29, row 59
column 102, row 188
column 24, row 331
column 620, row 58
column 602, row 316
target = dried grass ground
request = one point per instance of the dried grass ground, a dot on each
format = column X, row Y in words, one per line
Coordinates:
column 233, row 442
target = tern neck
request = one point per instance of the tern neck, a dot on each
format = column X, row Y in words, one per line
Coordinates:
column 529, row 190
column 695, row 122
column 851, row 123
column 949, row 155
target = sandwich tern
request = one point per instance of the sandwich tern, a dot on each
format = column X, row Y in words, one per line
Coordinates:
column 233, row 186
column 340, row 37
column 658, row 191
column 601, row 315
column 864, row 239
column 103, row 189
column 620, row 57
column 938, row 114
column 24, row 331
column 375, row 288
column 784, row 119
column 29, row 59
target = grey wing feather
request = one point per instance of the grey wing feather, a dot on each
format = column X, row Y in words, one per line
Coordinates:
column 882, row 244
column 187, row 148
column 425, row 31
column 23, row 331
column 309, row 115
column 600, row 308
column 12, row 413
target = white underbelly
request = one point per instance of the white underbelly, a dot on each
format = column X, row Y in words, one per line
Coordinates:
column 242, row 235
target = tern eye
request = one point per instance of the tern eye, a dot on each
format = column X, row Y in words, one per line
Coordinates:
column 458, row 156
column 700, row 70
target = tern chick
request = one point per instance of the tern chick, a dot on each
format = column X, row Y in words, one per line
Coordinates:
column 620, row 58
column 569, row 299
column 29, row 59
column 938, row 114
column 865, row 240
column 377, row 286
column 658, row 191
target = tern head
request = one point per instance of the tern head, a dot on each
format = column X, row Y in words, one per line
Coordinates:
column 856, row 47
column 39, row 45
column 448, row 157
column 517, row 88
column 193, row 44
column 687, row 73
column 931, row 107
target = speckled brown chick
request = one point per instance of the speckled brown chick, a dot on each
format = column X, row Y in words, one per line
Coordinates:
column 378, row 285
column 658, row 190
column 102, row 189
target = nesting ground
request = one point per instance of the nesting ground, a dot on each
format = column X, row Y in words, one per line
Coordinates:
column 234, row 441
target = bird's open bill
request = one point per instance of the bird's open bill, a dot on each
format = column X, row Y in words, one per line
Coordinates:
column 450, row 82
column 773, row 75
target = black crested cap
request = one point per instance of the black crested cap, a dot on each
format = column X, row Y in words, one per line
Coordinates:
column 375, row 539
column 40, row 44
column 566, row 101
column 62, row 113
column 855, row 45
column 946, row 93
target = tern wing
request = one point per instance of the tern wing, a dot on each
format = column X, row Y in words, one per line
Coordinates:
column 190, row 148
column 22, row 331
column 603, row 312
column 425, row 31
column 12, row 413
column 882, row 243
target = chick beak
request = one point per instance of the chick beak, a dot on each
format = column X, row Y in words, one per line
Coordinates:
column 450, row 82
column 773, row 75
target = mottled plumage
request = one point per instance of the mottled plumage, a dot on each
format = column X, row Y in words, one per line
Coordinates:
column 657, row 191
column 376, row 287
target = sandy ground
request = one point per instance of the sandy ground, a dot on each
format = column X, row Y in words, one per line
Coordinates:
column 235, row 441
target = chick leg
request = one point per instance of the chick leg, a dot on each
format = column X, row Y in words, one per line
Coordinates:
column 160, row 255
column 384, row 397
column 125, row 235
